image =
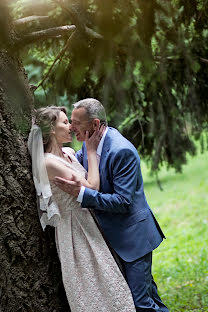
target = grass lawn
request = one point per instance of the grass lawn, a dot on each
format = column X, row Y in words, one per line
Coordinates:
column 180, row 264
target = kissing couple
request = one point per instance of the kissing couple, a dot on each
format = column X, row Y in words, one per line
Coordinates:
column 105, row 230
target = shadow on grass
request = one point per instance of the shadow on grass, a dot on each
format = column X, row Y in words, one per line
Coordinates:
column 164, row 180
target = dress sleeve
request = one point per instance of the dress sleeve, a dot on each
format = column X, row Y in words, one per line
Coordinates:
column 68, row 150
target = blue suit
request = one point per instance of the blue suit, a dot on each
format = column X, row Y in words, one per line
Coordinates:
column 120, row 206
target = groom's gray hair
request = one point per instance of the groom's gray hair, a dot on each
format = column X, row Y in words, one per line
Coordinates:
column 94, row 109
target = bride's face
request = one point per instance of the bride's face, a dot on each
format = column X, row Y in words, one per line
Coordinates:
column 62, row 129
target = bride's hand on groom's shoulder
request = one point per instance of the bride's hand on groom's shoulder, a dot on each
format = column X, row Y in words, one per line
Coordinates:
column 93, row 141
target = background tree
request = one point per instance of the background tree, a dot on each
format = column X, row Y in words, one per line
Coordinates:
column 30, row 275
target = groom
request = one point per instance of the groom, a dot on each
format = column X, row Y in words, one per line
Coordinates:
column 120, row 205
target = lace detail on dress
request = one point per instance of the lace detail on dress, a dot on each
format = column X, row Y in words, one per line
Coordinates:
column 91, row 277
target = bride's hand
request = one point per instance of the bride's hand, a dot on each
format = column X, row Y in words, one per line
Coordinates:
column 93, row 141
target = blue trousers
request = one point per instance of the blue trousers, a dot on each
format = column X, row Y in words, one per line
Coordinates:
column 144, row 290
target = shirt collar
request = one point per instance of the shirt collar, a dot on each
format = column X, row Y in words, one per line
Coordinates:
column 100, row 146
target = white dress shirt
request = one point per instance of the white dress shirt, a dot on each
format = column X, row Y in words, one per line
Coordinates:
column 98, row 153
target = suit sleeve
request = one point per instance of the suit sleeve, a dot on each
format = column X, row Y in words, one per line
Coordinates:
column 125, row 170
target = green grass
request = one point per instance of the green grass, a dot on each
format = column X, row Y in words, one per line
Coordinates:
column 180, row 264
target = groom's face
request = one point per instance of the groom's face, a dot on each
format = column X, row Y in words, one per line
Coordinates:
column 80, row 123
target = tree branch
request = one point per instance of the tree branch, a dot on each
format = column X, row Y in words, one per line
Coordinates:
column 28, row 19
column 173, row 58
column 76, row 20
column 204, row 60
column 44, row 35
column 93, row 34
column 59, row 57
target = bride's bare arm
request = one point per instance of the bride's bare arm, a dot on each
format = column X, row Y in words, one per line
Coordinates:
column 57, row 168
column 93, row 168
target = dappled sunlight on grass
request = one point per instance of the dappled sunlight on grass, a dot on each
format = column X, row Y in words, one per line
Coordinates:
column 180, row 264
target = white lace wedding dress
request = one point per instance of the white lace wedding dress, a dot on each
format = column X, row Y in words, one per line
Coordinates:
column 91, row 277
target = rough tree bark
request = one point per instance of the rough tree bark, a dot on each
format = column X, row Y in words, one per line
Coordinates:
column 30, row 274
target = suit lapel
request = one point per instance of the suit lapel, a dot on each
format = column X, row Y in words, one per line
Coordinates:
column 105, row 150
column 85, row 159
column 104, row 153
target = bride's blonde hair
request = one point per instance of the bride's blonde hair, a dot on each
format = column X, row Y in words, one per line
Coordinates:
column 45, row 118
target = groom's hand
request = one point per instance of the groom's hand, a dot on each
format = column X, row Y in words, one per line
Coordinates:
column 71, row 187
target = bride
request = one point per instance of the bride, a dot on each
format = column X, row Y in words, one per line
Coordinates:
column 91, row 277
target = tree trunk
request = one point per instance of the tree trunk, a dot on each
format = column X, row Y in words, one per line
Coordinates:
column 30, row 274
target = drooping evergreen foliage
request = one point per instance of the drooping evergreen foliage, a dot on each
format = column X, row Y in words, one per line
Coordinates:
column 146, row 61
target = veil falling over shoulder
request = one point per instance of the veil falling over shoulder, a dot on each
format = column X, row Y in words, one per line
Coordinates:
column 47, row 208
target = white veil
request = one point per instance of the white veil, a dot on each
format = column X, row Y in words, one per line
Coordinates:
column 47, row 207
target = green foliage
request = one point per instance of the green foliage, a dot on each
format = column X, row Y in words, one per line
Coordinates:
column 150, row 70
column 180, row 263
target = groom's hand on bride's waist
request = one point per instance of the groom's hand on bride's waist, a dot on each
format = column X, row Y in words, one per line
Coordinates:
column 71, row 187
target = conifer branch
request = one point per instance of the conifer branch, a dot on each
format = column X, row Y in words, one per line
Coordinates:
column 25, row 20
column 59, row 57
column 76, row 20
column 44, row 35
column 204, row 60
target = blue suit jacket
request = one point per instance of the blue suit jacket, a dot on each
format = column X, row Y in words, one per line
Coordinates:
column 120, row 206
